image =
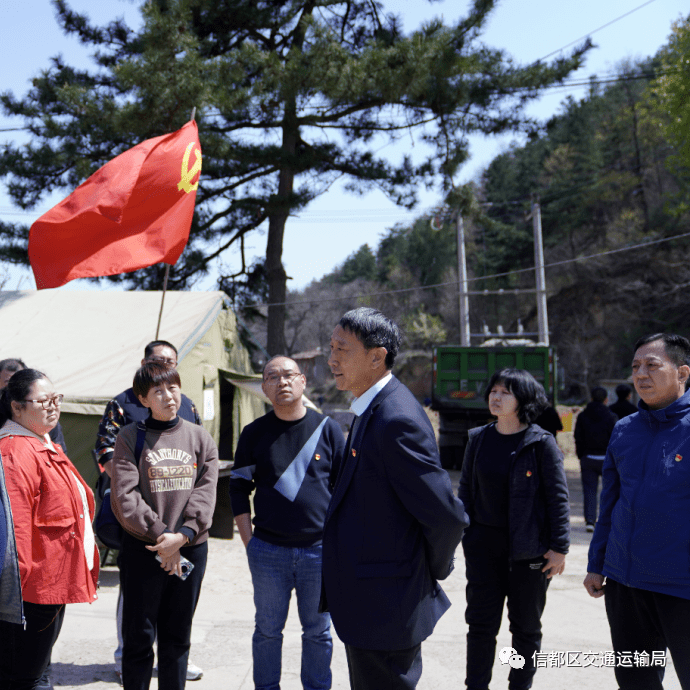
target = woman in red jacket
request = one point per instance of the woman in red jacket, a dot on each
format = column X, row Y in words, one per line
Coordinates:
column 52, row 509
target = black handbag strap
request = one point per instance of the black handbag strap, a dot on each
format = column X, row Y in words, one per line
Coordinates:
column 141, row 437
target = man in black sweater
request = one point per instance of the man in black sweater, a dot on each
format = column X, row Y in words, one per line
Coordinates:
column 593, row 431
column 290, row 457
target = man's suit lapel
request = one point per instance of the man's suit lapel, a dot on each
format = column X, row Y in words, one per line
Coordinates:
column 349, row 463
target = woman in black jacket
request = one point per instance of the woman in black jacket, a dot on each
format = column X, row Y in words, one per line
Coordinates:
column 514, row 489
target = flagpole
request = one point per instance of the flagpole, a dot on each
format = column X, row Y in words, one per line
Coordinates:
column 167, row 272
column 165, row 287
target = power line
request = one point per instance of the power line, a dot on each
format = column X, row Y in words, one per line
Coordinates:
column 582, row 38
column 472, row 280
column 564, row 85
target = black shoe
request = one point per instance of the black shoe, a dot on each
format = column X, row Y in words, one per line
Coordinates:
column 590, row 527
column 45, row 683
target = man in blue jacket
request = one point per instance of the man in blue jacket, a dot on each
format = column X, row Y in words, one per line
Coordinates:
column 641, row 543
column 393, row 523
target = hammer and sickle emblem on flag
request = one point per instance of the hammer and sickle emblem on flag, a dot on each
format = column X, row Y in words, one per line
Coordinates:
column 188, row 174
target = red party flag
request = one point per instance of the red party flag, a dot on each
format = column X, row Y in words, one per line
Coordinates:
column 133, row 212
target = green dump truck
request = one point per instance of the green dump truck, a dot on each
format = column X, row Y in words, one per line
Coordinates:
column 460, row 377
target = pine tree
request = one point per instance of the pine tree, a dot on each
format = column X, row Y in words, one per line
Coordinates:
column 290, row 95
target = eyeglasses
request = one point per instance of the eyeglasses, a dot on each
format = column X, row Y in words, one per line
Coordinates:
column 275, row 379
column 46, row 404
column 163, row 360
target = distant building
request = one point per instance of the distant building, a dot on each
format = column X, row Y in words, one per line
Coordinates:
column 313, row 364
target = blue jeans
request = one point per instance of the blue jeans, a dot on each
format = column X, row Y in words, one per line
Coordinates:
column 591, row 471
column 276, row 571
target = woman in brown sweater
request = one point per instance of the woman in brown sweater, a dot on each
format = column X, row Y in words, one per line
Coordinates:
column 164, row 490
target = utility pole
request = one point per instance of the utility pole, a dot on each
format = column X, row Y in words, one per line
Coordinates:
column 541, row 279
column 463, row 299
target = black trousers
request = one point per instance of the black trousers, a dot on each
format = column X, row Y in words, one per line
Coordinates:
column 25, row 654
column 491, row 579
column 590, row 470
column 374, row 669
column 644, row 621
column 155, row 601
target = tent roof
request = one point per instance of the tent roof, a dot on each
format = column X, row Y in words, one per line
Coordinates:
column 90, row 342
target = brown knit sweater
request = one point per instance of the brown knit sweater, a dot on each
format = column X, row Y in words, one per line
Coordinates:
column 163, row 493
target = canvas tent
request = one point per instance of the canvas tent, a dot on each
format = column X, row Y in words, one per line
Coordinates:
column 90, row 343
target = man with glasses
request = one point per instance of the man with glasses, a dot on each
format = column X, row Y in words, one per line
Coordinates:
column 124, row 409
column 9, row 367
column 290, row 457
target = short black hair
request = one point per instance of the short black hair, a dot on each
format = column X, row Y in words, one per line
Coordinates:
column 623, row 390
column 677, row 347
column 152, row 374
column 16, row 390
column 374, row 329
column 599, row 394
column 529, row 393
column 12, row 364
column 148, row 350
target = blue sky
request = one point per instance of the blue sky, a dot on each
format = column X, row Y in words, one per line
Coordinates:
column 337, row 223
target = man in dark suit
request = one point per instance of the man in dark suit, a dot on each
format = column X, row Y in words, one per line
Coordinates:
column 393, row 523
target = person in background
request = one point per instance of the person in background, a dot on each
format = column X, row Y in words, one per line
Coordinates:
column 593, row 430
column 393, row 523
column 290, row 457
column 514, row 487
column 623, row 407
column 124, row 409
column 52, row 508
column 165, row 473
column 9, row 367
column 550, row 421
column 641, row 542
